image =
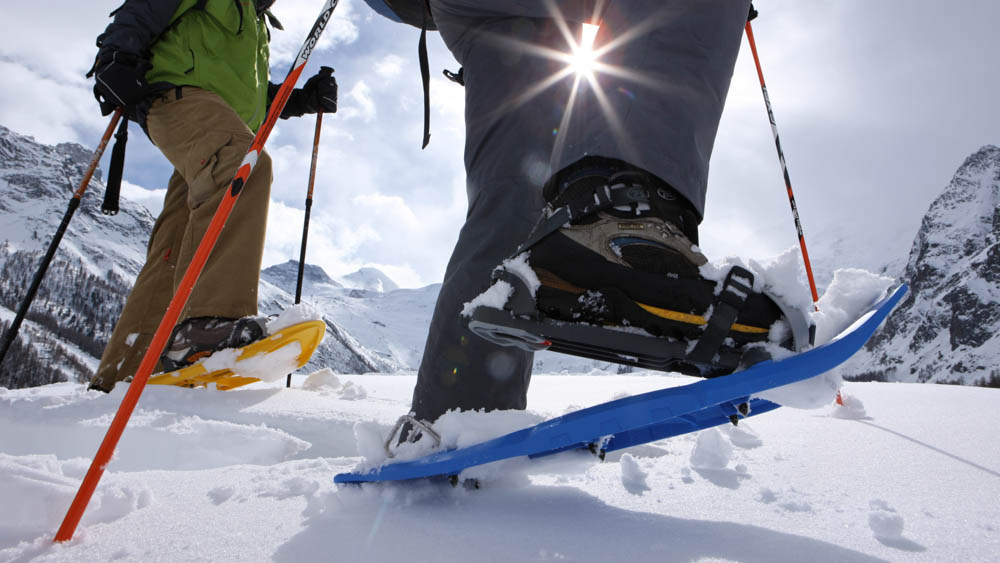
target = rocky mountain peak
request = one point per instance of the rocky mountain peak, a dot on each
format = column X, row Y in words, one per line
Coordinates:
column 286, row 275
column 949, row 327
column 961, row 223
column 370, row 279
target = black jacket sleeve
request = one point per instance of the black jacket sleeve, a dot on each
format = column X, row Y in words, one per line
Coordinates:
column 137, row 23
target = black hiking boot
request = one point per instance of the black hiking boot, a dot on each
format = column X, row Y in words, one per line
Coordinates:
column 199, row 337
column 616, row 248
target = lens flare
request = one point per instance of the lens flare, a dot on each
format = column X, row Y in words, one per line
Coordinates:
column 583, row 67
column 584, row 56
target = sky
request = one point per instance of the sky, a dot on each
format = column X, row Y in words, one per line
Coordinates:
column 877, row 105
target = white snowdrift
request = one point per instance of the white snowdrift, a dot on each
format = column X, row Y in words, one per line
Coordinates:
column 247, row 475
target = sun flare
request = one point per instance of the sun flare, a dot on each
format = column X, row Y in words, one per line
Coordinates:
column 584, row 57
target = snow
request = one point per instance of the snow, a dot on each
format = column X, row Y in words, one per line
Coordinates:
column 851, row 409
column 850, row 294
column 633, row 477
column 326, row 382
column 494, row 298
column 711, row 451
column 293, row 315
column 247, row 475
column 884, row 521
column 519, row 266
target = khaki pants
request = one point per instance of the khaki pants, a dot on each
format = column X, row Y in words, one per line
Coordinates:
column 205, row 141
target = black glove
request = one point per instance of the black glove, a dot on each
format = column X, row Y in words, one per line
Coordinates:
column 318, row 94
column 120, row 81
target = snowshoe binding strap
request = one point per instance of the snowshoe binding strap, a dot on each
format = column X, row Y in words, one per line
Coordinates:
column 735, row 290
column 621, row 189
column 409, row 429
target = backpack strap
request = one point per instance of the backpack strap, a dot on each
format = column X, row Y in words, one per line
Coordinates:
column 425, row 74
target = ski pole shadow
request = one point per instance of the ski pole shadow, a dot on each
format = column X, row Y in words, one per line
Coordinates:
column 933, row 448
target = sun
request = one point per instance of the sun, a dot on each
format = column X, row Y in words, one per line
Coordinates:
column 583, row 59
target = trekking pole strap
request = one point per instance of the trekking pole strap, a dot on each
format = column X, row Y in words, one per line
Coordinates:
column 112, row 190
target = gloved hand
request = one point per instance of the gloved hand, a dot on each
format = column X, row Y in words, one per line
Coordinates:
column 120, row 81
column 318, row 94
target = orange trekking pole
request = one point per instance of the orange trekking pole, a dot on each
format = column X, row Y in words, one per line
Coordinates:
column 784, row 169
column 180, row 298
column 781, row 159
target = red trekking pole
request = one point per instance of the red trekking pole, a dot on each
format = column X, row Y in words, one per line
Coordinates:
column 103, row 456
column 784, row 169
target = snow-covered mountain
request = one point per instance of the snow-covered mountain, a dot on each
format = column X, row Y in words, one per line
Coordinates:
column 99, row 257
column 948, row 329
column 83, row 291
column 373, row 325
column 371, row 279
column 945, row 331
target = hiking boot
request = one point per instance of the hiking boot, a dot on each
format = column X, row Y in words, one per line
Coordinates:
column 200, row 337
column 617, row 246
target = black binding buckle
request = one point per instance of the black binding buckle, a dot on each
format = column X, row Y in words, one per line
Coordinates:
column 735, row 292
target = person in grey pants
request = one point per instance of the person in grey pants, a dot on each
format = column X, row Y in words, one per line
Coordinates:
column 648, row 119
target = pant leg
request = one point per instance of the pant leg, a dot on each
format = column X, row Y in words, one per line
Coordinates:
column 662, row 115
column 206, row 141
column 504, row 181
column 659, row 109
column 153, row 289
column 459, row 369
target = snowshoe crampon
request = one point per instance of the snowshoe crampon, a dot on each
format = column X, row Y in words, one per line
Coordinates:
column 306, row 336
column 706, row 345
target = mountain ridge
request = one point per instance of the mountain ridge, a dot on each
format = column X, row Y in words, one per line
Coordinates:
column 948, row 328
column 944, row 332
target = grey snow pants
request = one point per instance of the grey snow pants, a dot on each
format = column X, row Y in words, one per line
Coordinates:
column 658, row 109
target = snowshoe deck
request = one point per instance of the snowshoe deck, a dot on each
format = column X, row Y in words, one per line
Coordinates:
column 307, row 335
column 650, row 416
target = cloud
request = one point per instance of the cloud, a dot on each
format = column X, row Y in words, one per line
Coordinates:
column 150, row 199
column 360, row 103
column 389, row 67
column 46, row 108
column 298, row 17
column 874, row 119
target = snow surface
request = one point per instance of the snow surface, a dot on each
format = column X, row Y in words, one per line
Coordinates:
column 247, row 475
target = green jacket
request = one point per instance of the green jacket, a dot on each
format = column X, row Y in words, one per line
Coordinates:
column 222, row 48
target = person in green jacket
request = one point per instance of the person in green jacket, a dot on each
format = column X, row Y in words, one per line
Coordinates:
column 194, row 74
